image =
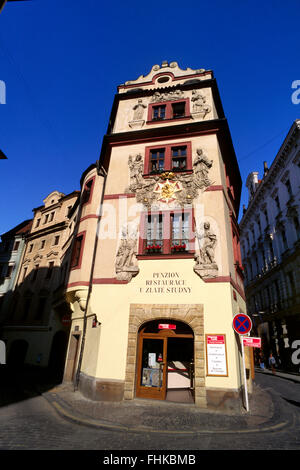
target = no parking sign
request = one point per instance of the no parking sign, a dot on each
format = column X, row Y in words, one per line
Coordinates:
column 242, row 324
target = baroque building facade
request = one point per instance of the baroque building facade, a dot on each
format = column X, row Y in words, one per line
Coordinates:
column 155, row 274
column 11, row 251
column 270, row 243
column 32, row 319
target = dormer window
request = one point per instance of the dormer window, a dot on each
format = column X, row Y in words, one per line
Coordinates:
column 168, row 111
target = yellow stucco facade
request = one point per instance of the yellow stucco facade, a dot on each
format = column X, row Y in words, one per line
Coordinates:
column 126, row 293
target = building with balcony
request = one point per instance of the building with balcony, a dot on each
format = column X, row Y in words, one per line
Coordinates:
column 270, row 245
column 155, row 274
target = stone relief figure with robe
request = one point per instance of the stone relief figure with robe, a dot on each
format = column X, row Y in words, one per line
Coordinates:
column 206, row 265
column 136, row 167
column 138, row 110
column 199, row 104
column 125, row 265
column 201, row 167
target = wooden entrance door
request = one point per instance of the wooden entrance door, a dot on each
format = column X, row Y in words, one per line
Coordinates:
column 152, row 367
column 152, row 361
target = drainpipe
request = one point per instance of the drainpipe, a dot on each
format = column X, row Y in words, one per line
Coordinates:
column 101, row 172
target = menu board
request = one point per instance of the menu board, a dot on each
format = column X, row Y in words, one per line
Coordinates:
column 216, row 355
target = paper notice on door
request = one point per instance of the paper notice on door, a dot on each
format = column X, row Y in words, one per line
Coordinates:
column 151, row 359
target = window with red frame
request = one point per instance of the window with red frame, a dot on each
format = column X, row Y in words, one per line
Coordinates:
column 236, row 250
column 86, row 195
column 167, row 233
column 77, row 249
column 178, row 110
column 158, row 112
column 168, row 110
column 168, row 158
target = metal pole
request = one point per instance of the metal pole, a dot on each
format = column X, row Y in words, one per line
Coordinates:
column 245, row 376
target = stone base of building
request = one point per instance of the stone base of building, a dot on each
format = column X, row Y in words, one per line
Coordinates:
column 224, row 400
column 101, row 389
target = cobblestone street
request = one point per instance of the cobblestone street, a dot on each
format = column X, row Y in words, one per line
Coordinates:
column 34, row 423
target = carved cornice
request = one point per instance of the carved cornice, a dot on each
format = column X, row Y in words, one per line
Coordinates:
column 52, row 253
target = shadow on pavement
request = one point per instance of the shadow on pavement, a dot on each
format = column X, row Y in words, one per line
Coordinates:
column 22, row 383
column 292, row 402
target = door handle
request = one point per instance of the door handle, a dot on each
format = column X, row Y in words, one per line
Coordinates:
column 160, row 371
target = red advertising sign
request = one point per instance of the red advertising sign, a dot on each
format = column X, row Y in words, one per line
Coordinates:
column 215, row 339
column 166, row 326
column 253, row 342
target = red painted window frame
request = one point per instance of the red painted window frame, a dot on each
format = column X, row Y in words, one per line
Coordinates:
column 169, row 112
column 78, row 265
column 237, row 250
column 168, row 156
column 166, row 247
column 87, row 190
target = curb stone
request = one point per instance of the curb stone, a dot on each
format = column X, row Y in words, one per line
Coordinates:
column 65, row 410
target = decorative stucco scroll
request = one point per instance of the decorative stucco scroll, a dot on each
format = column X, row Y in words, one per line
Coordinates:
column 167, row 96
column 206, row 266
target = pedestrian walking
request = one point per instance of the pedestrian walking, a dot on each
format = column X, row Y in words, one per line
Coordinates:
column 272, row 363
column 262, row 361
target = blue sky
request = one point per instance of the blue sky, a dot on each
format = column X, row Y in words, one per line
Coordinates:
column 62, row 61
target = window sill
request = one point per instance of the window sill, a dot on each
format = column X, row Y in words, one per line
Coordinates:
column 159, row 256
column 159, row 121
column 180, row 172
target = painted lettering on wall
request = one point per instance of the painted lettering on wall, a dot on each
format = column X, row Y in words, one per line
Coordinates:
column 166, row 283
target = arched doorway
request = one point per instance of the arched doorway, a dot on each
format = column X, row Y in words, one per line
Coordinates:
column 165, row 362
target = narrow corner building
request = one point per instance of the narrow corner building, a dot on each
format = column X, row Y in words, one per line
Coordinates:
column 156, row 275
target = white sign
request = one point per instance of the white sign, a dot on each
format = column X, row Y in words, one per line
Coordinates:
column 216, row 355
column 152, row 360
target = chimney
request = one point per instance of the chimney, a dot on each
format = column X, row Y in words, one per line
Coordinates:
column 266, row 169
column 252, row 183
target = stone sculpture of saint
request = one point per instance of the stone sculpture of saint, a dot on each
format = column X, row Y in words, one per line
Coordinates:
column 125, row 265
column 136, row 167
column 138, row 110
column 207, row 252
column 201, row 166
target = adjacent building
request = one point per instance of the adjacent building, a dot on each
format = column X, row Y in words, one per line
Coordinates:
column 270, row 242
column 155, row 271
column 11, row 251
column 33, row 327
